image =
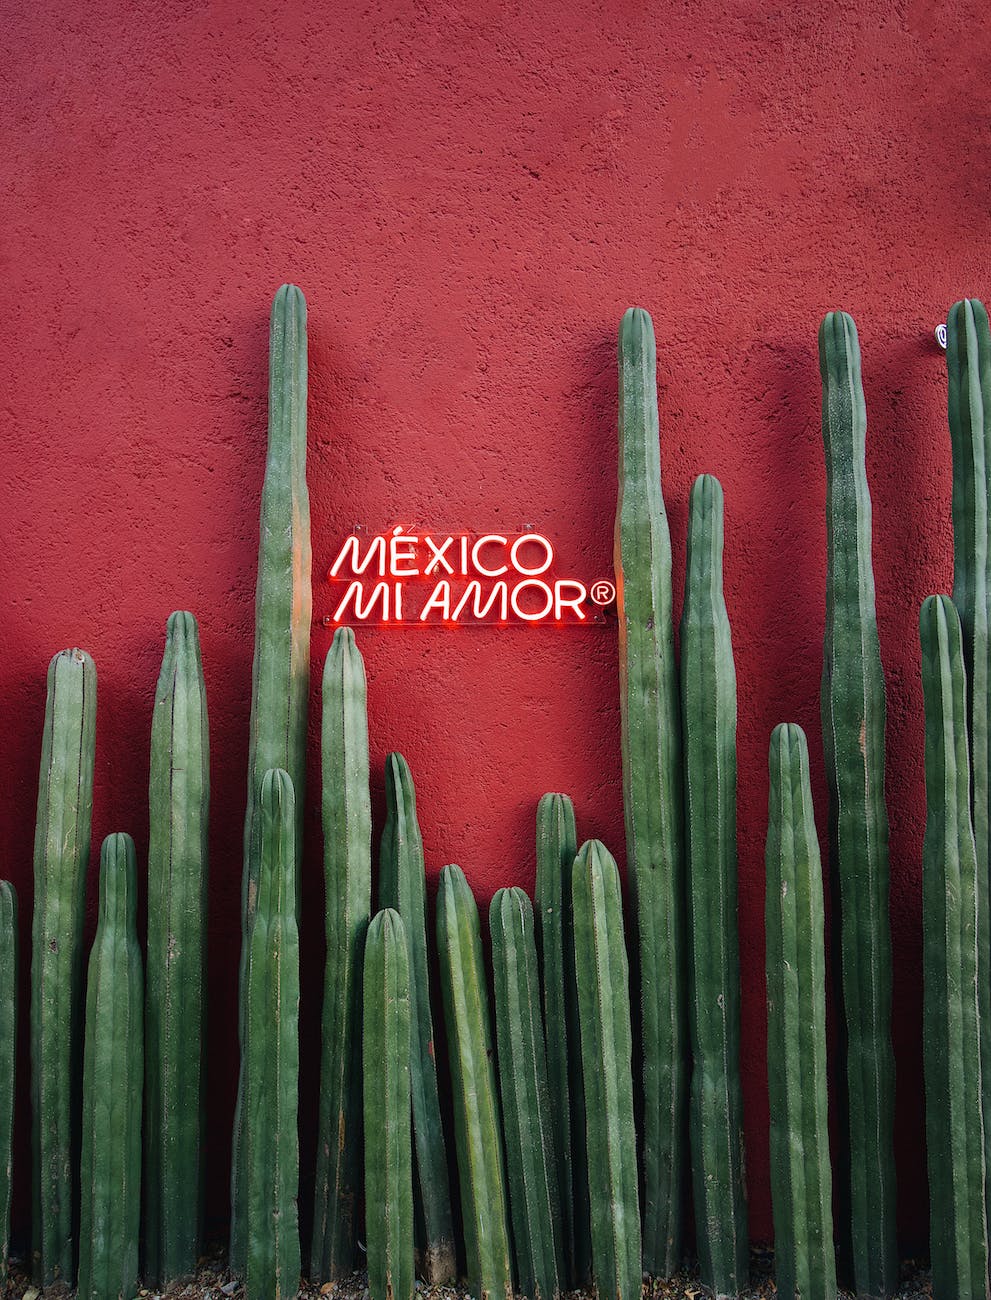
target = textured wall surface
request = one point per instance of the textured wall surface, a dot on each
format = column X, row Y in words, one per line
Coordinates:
column 470, row 194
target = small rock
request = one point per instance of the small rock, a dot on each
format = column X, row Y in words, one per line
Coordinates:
column 32, row 1293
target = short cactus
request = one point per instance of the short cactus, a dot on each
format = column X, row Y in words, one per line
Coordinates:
column 8, row 1059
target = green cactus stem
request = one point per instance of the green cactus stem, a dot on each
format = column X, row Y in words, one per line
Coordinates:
column 801, row 1174
column 476, row 1111
column 8, row 1059
column 61, row 857
column 557, row 844
column 280, row 678
column 968, row 362
column 526, row 1111
column 113, row 1081
column 709, row 729
column 853, row 720
column 347, row 831
column 271, row 1053
column 652, row 790
column 388, row 1143
column 607, row 1052
column 175, row 1010
column 951, row 948
column 402, row 887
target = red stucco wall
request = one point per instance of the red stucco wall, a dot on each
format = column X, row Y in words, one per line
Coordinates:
column 470, row 195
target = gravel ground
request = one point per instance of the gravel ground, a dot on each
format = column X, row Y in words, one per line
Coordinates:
column 214, row 1282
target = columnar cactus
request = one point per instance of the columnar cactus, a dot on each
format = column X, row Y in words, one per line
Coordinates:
column 607, row 1051
column 8, row 1059
column 386, row 1075
column 280, row 678
column 968, row 361
column 113, row 1069
column 709, row 730
column 652, row 791
column 801, row 1174
column 402, row 886
column 526, row 1111
column 179, row 798
column 853, row 719
column 271, row 1054
column 951, row 955
column 556, row 848
column 347, row 848
column 61, row 856
column 476, row 1109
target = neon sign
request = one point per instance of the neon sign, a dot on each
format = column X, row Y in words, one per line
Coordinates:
column 424, row 578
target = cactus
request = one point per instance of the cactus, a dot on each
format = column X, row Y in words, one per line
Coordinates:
column 61, row 856
column 402, row 887
column 8, row 1059
column 556, row 848
column 388, row 1145
column 709, row 730
column 271, row 1054
column 113, row 1078
column 801, row 1174
column 347, row 831
column 280, row 678
column 179, row 797
column 968, row 361
column 951, row 953
column 526, row 1113
column 652, row 789
column 853, row 717
column 476, row 1114
column 607, row 1049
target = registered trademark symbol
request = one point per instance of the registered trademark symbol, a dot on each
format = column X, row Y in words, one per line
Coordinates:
column 602, row 592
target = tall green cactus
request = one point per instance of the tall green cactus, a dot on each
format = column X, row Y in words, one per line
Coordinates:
column 652, row 790
column 709, row 729
column 402, row 887
column 607, row 1051
column 280, row 677
column 526, row 1110
column 271, row 1054
column 347, row 838
column 476, row 1109
column 8, row 1059
column 113, row 1080
column 388, row 1145
column 179, row 798
column 61, row 856
column 801, row 1174
column 853, row 718
column 951, row 956
column 968, row 362
column 557, row 844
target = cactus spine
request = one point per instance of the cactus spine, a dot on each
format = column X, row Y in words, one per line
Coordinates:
column 402, row 887
column 347, row 831
column 557, row 845
column 853, row 719
column 280, row 678
column 801, row 1175
column 709, row 712
column 113, row 1077
column 388, row 1144
column 607, row 1050
column 476, row 1114
column 951, row 1006
column 651, row 732
column 525, row 1100
column 968, row 361
column 179, row 798
column 8, row 1059
column 61, row 856
column 271, row 1054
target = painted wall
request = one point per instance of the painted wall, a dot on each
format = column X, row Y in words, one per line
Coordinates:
column 470, row 195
